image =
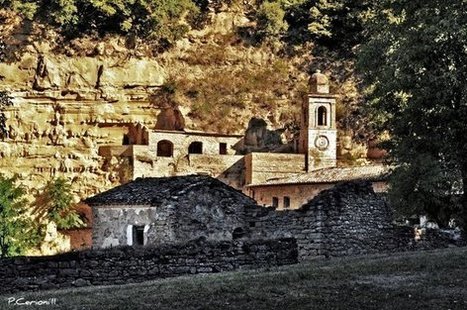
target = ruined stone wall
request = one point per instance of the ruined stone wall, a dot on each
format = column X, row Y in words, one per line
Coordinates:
column 299, row 194
column 127, row 264
column 263, row 166
column 348, row 219
column 171, row 222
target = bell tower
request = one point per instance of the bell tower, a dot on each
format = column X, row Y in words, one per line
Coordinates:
column 318, row 133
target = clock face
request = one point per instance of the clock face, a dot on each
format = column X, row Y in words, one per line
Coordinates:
column 321, row 143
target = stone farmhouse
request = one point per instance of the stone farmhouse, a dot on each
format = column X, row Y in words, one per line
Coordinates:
column 168, row 210
column 176, row 210
column 264, row 176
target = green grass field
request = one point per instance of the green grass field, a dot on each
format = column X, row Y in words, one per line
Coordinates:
column 422, row 280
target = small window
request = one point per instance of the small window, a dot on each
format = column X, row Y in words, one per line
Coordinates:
column 223, row 148
column 165, row 148
column 195, row 148
column 138, row 235
column 286, row 202
column 126, row 140
column 322, row 116
column 275, row 202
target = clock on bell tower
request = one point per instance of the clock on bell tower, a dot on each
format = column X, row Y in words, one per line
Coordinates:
column 318, row 133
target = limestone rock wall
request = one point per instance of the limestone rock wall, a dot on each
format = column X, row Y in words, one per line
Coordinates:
column 68, row 108
column 126, row 264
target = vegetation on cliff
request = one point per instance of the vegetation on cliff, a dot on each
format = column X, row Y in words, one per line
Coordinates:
column 234, row 58
column 159, row 20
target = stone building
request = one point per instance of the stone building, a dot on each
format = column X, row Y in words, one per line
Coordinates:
column 168, row 210
column 349, row 218
column 294, row 191
column 157, row 153
column 318, row 132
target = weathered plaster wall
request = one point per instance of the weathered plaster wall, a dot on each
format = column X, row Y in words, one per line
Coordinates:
column 260, row 167
column 126, row 264
column 228, row 167
column 182, row 140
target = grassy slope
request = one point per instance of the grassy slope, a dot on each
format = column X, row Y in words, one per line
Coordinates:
column 424, row 280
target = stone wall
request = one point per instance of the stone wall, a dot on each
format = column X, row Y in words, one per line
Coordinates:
column 165, row 224
column 196, row 206
column 348, row 219
column 127, row 264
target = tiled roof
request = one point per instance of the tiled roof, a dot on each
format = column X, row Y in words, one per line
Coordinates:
column 333, row 175
column 154, row 191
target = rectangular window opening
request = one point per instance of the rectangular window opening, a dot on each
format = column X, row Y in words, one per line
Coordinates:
column 275, row 202
column 286, row 202
column 223, row 148
column 138, row 235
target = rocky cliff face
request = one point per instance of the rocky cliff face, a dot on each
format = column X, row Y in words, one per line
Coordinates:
column 64, row 108
column 70, row 97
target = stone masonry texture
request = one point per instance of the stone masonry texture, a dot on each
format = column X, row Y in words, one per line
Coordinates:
column 348, row 219
column 128, row 264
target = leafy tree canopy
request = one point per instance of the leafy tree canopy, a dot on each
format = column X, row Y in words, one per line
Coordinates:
column 17, row 230
column 156, row 19
column 327, row 21
column 58, row 201
column 414, row 68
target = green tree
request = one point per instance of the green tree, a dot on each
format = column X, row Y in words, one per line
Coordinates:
column 333, row 23
column 18, row 232
column 271, row 23
column 58, row 201
column 414, row 67
column 161, row 20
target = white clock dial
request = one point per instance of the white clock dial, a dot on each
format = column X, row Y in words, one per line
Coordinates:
column 322, row 143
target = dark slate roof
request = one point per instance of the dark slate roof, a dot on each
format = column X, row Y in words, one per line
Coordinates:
column 154, row 191
column 333, row 175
